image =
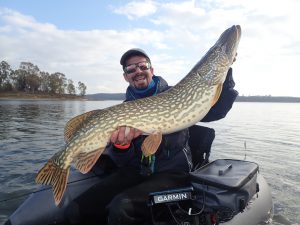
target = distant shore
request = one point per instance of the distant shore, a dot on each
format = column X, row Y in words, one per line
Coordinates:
column 121, row 97
column 37, row 96
column 282, row 99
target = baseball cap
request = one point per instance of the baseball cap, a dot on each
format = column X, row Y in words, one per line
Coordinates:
column 132, row 52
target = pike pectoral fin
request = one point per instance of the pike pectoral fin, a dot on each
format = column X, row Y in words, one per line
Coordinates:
column 217, row 95
column 86, row 160
column 52, row 174
column 151, row 143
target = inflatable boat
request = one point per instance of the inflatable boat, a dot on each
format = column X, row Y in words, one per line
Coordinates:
column 39, row 207
column 224, row 191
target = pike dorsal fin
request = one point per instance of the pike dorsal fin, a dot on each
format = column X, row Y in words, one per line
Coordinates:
column 86, row 160
column 217, row 94
column 76, row 123
column 151, row 144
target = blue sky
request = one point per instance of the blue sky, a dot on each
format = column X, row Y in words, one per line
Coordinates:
column 85, row 39
column 70, row 14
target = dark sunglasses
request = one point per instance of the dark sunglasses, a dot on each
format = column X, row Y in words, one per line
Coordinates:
column 133, row 67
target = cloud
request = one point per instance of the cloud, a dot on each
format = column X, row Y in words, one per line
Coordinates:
column 175, row 34
column 16, row 19
column 137, row 9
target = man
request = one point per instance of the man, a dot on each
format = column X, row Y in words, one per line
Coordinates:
column 123, row 194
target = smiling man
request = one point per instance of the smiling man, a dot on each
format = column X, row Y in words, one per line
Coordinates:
column 169, row 166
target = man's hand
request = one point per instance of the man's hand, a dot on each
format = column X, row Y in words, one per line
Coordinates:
column 124, row 135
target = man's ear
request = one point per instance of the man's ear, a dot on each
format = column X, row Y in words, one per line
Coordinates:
column 125, row 77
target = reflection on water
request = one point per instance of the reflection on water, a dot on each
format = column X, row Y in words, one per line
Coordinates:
column 32, row 131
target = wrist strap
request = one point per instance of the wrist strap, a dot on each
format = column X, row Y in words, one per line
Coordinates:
column 122, row 146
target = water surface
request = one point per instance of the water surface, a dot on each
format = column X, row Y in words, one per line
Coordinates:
column 267, row 133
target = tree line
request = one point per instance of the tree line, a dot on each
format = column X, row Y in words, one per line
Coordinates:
column 29, row 78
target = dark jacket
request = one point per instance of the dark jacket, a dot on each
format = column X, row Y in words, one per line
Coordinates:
column 173, row 153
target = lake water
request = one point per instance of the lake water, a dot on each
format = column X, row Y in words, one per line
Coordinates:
column 267, row 133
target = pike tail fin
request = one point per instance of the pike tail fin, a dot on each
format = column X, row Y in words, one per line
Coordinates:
column 52, row 174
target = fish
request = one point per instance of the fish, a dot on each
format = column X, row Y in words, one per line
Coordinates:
column 183, row 105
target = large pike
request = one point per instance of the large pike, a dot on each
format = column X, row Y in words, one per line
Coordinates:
column 181, row 106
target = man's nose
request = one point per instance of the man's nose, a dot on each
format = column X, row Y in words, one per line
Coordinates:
column 138, row 70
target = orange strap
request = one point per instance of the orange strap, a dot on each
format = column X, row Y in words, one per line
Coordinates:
column 120, row 146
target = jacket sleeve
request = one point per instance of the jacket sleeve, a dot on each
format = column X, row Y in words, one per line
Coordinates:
column 119, row 157
column 225, row 102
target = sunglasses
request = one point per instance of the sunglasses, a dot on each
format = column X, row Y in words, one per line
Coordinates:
column 133, row 67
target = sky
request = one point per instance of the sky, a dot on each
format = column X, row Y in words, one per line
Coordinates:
column 85, row 39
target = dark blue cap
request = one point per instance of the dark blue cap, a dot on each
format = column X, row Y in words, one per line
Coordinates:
column 133, row 52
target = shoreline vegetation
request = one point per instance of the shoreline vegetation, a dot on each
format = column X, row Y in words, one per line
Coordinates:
column 20, row 95
column 30, row 82
column 121, row 96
